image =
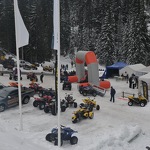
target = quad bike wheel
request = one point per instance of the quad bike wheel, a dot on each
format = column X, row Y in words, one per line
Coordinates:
column 81, row 105
column 50, row 137
column 56, row 142
column 35, row 104
column 75, row 105
column 41, row 94
column 97, row 107
column 73, row 140
column 74, row 120
column 53, row 110
column 41, row 106
column 26, row 100
column 130, row 103
column 94, row 94
column 63, row 109
column 46, row 109
column 80, row 92
column 84, row 94
column 2, row 107
column 142, row 103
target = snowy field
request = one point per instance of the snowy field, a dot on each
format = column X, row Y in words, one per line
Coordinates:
column 112, row 127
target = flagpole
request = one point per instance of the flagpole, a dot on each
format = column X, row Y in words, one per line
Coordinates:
column 56, row 25
column 22, row 39
column 18, row 67
column 58, row 56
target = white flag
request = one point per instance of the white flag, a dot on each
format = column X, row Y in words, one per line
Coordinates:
column 56, row 23
column 22, row 35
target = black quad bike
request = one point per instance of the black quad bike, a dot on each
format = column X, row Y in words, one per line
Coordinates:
column 89, row 90
column 48, row 91
column 51, row 107
column 14, row 77
column 67, row 86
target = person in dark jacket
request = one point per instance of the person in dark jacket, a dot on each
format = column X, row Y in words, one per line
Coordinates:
column 112, row 94
column 41, row 77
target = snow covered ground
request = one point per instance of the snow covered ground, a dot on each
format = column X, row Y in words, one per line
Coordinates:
column 112, row 127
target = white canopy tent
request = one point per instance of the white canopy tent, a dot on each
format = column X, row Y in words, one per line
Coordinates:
column 145, row 78
column 131, row 69
column 143, row 71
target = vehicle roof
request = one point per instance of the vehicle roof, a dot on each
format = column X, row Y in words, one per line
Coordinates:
column 9, row 88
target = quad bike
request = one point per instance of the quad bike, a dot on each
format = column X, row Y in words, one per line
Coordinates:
column 13, row 76
column 82, row 113
column 67, row 134
column 66, row 85
column 89, row 104
column 51, row 107
column 48, row 91
column 70, row 101
column 140, row 100
column 36, row 87
column 41, row 101
column 34, row 67
column 47, row 68
column 88, row 90
column 32, row 76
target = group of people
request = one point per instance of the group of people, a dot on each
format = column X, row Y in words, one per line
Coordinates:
column 133, row 80
column 64, row 67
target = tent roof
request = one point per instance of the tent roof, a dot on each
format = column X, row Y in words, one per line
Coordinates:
column 137, row 67
column 145, row 78
column 117, row 65
column 147, row 69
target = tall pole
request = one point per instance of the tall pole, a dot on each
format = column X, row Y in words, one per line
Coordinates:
column 18, row 67
column 56, row 22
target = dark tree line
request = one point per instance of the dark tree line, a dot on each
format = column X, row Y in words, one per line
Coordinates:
column 116, row 30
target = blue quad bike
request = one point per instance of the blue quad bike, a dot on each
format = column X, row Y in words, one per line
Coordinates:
column 67, row 134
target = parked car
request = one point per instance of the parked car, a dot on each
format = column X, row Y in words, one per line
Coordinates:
column 9, row 96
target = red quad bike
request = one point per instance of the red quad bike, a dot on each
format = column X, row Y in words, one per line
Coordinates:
column 41, row 101
column 36, row 87
column 70, row 101
column 51, row 107
column 32, row 76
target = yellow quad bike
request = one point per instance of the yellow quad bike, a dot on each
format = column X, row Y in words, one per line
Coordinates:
column 89, row 104
column 140, row 100
column 82, row 113
column 47, row 68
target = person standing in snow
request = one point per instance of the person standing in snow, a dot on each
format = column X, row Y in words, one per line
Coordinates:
column 41, row 77
column 112, row 94
column 72, row 64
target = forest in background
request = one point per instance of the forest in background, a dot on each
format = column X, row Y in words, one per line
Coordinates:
column 116, row 30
